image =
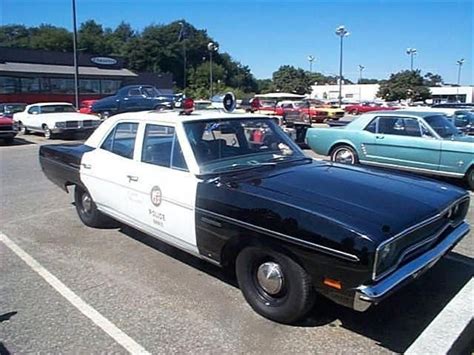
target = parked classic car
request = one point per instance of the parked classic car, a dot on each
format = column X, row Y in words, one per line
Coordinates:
column 208, row 184
column 52, row 118
column 310, row 110
column 8, row 109
column 8, row 130
column 133, row 98
column 86, row 106
column 368, row 107
column 422, row 142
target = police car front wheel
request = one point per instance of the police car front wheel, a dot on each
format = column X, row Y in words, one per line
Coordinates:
column 87, row 209
column 274, row 285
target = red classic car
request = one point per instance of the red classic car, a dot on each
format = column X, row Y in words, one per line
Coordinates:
column 8, row 129
column 312, row 109
column 368, row 107
column 86, row 106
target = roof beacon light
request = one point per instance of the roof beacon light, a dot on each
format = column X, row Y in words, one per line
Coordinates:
column 187, row 106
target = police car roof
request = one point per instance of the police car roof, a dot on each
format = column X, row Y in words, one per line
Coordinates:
column 174, row 116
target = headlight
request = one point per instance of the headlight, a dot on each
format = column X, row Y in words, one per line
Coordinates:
column 60, row 124
column 385, row 258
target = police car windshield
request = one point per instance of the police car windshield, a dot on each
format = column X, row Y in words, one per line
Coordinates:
column 227, row 145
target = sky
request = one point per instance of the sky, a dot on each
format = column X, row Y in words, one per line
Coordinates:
column 266, row 34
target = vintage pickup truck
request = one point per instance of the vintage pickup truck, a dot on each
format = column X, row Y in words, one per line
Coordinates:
column 132, row 98
column 288, row 225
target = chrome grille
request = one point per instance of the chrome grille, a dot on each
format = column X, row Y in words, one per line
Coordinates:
column 6, row 128
column 72, row 124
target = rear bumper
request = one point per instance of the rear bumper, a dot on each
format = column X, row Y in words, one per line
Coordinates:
column 366, row 295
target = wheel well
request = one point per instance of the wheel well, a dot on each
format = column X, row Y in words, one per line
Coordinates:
column 331, row 150
column 234, row 246
column 44, row 125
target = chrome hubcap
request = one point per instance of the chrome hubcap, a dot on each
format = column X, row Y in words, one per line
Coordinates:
column 270, row 277
column 344, row 156
column 86, row 203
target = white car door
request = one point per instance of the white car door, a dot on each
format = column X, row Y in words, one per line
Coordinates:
column 165, row 189
column 31, row 119
column 108, row 171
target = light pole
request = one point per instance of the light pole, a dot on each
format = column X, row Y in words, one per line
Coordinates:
column 341, row 32
column 311, row 59
column 211, row 47
column 460, row 62
column 411, row 52
column 182, row 38
column 76, row 67
column 361, row 68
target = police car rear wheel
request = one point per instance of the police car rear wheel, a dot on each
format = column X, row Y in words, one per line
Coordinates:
column 274, row 285
column 87, row 210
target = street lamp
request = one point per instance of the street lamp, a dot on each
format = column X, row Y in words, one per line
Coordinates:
column 341, row 32
column 311, row 59
column 411, row 52
column 211, row 47
column 460, row 62
column 76, row 67
column 361, row 68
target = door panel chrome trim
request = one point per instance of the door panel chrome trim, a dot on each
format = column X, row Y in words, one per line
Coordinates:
column 406, row 168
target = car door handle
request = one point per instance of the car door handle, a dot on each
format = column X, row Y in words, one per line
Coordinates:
column 379, row 137
column 132, row 178
column 86, row 166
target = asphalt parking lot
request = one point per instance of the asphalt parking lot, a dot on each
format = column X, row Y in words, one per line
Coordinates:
column 163, row 299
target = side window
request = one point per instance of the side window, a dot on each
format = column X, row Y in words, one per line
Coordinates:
column 158, row 144
column 134, row 92
column 372, row 126
column 412, row 127
column 400, row 126
column 33, row 110
column 121, row 140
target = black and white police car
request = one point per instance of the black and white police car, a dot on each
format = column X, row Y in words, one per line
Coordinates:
column 235, row 190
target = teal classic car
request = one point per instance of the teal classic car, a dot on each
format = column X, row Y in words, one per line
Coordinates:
column 422, row 142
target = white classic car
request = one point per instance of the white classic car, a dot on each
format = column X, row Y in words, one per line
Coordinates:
column 54, row 118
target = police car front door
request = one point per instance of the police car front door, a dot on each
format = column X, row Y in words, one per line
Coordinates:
column 167, row 188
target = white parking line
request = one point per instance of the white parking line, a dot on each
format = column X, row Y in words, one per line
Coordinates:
column 445, row 329
column 107, row 326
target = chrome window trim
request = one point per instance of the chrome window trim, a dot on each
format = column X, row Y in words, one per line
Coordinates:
column 408, row 230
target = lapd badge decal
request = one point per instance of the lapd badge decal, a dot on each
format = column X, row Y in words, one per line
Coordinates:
column 155, row 196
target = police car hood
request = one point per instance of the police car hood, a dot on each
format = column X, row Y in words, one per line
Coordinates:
column 363, row 199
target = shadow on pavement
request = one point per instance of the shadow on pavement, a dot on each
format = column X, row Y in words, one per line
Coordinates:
column 394, row 324
column 16, row 142
column 6, row 316
column 3, row 349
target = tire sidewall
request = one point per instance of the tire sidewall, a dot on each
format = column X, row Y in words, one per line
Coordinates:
column 296, row 297
column 346, row 147
column 47, row 132
column 470, row 178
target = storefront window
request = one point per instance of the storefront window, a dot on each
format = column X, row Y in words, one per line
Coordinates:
column 110, row 86
column 63, row 86
column 9, row 85
column 89, row 86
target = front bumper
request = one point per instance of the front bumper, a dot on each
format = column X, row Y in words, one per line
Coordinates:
column 366, row 295
column 57, row 130
column 8, row 134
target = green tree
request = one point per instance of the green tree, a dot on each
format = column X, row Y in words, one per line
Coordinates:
column 290, row 79
column 264, row 86
column 404, row 85
column 91, row 38
column 368, row 81
column 431, row 79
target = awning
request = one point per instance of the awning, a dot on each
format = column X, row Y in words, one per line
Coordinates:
column 62, row 69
